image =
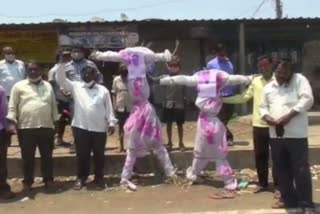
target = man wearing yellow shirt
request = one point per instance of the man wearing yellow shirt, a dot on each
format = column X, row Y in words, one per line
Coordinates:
column 260, row 128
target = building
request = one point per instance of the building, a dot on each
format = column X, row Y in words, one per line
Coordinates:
column 298, row 38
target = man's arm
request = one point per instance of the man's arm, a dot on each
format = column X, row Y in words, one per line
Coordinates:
column 13, row 105
column 113, row 93
column 305, row 96
column 305, row 101
column 62, row 80
column 241, row 98
column 111, row 119
column 54, row 107
column 3, row 105
column 99, row 78
column 264, row 110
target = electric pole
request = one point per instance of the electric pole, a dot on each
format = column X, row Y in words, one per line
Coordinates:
column 279, row 7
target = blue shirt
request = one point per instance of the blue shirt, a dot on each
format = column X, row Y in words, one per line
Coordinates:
column 223, row 65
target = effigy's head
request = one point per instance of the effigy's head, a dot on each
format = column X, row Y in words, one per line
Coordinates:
column 134, row 59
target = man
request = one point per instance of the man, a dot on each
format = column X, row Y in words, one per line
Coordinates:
column 173, row 106
column 33, row 112
column 261, row 139
column 75, row 67
column 11, row 70
column 5, row 192
column 121, row 102
column 79, row 62
column 93, row 118
column 223, row 63
column 285, row 104
column 63, row 99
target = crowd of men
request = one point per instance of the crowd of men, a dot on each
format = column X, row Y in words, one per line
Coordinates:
column 38, row 112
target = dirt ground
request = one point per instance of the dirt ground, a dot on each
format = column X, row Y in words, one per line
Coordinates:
column 150, row 198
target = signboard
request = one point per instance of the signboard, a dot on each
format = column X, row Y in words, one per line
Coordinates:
column 99, row 40
column 37, row 45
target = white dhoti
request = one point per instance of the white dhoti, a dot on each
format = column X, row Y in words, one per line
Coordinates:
column 211, row 145
column 143, row 135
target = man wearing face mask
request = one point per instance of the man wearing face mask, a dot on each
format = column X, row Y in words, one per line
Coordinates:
column 93, row 118
column 121, row 102
column 11, row 70
column 285, row 104
column 32, row 115
column 261, row 139
column 79, row 62
column 223, row 63
column 75, row 67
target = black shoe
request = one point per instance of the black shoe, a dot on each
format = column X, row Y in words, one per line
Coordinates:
column 79, row 184
column 26, row 188
column 309, row 211
column 169, row 146
column 72, row 149
column 7, row 195
column 100, row 184
column 50, row 186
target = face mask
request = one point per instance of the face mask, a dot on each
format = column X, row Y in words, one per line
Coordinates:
column 34, row 80
column 77, row 56
column 89, row 84
column 9, row 57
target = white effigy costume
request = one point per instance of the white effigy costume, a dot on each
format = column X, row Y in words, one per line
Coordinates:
column 142, row 131
column 210, row 143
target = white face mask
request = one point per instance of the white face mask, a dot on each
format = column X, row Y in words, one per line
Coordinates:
column 77, row 55
column 34, row 80
column 89, row 84
column 9, row 57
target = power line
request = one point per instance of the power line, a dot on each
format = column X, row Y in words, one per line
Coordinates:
column 106, row 10
column 259, row 7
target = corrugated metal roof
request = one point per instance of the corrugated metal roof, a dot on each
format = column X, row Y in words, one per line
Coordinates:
column 246, row 20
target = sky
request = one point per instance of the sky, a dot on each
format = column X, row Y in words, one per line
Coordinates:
column 27, row 11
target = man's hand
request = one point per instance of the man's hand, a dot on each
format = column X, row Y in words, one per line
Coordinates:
column 66, row 93
column 11, row 128
column 111, row 130
column 93, row 55
column 270, row 121
column 284, row 120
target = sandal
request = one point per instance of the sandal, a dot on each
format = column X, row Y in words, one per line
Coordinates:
column 278, row 205
column 277, row 194
column 224, row 194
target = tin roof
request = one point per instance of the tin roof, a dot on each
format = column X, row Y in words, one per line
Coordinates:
column 134, row 21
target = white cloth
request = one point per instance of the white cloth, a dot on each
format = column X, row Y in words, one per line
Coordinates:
column 279, row 100
column 159, row 150
column 92, row 106
column 10, row 74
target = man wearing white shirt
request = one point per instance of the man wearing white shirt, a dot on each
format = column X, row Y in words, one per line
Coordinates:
column 121, row 100
column 11, row 70
column 93, row 118
column 285, row 103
